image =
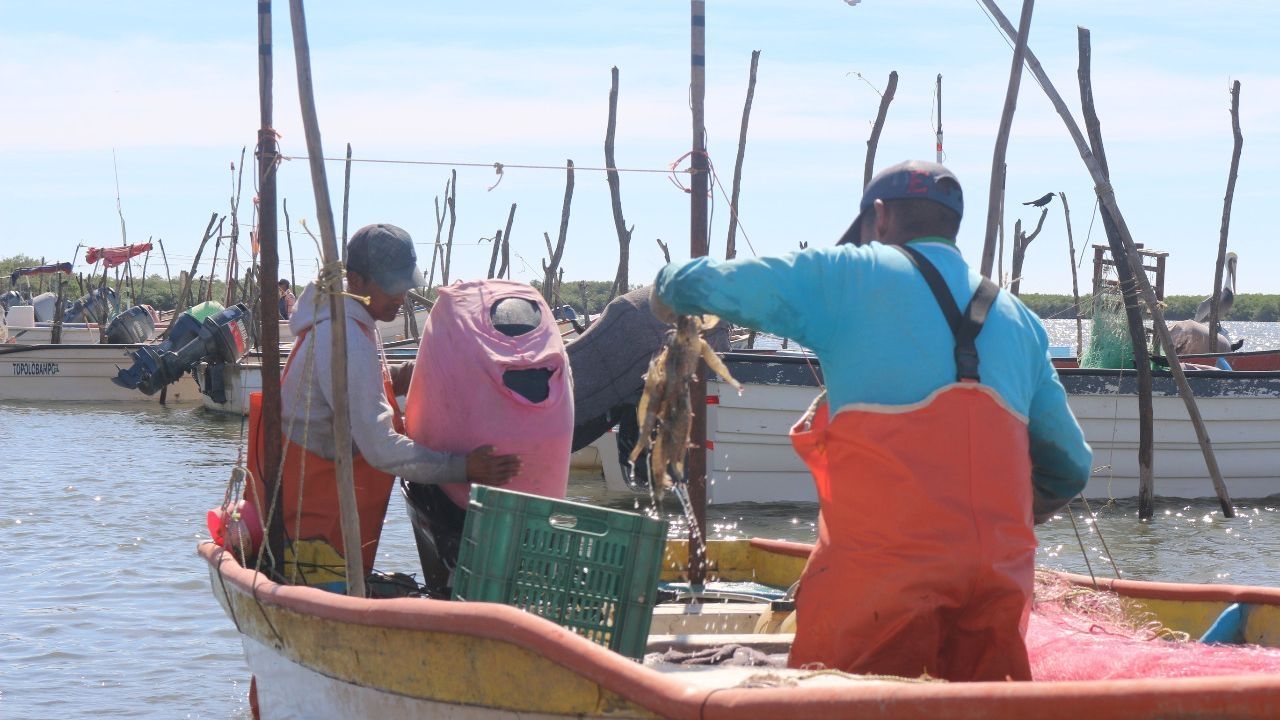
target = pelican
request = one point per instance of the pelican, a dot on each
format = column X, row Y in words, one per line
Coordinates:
column 1227, row 297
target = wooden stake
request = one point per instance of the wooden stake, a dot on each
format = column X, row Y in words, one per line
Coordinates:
column 337, row 307
column 437, row 250
column 451, row 204
column 165, row 256
column 493, row 257
column 506, row 245
column 554, row 254
column 873, row 142
column 696, row 466
column 59, row 310
column 268, row 157
column 1107, row 198
column 346, row 200
column 620, row 281
column 1125, row 273
column 1002, row 137
column 1216, row 300
column 730, row 247
column 288, row 236
column 1020, row 242
column 1075, row 285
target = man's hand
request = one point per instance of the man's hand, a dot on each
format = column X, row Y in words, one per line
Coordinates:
column 485, row 468
column 400, row 376
column 661, row 310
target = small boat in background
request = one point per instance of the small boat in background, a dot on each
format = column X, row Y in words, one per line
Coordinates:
column 71, row 372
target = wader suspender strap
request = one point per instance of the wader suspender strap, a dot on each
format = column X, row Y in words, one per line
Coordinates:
column 964, row 328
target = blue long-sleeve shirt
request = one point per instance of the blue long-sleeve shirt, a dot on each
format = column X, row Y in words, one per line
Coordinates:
column 877, row 329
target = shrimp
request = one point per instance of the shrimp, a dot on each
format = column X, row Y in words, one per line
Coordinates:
column 665, row 412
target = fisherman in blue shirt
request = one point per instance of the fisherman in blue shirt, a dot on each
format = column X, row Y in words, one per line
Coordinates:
column 930, row 465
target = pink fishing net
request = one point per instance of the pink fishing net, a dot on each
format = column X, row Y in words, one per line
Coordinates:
column 1080, row 634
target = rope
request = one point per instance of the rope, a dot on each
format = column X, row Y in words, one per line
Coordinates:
column 1097, row 527
column 1080, row 542
column 498, row 167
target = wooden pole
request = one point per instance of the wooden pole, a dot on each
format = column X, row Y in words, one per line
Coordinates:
column 555, row 254
column 1107, row 198
column 268, row 291
column 938, row 132
column 1126, row 272
column 493, row 257
column 59, row 309
column 233, row 247
column 1002, row 137
column 873, row 142
column 506, row 244
column 165, row 256
column 1020, row 242
column 142, row 289
column 1216, row 298
column 1075, row 283
column 437, row 250
column 621, row 280
column 451, row 202
column 346, row 202
column 337, row 307
column 184, row 285
column 730, row 247
column 288, row 236
column 697, row 464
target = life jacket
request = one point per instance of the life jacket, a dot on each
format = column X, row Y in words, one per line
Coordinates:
column 925, row 555
column 466, row 389
column 313, row 552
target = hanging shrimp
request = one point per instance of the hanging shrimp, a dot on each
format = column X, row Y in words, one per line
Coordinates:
column 665, row 412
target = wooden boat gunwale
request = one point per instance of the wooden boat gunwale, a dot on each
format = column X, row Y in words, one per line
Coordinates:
column 1243, row 696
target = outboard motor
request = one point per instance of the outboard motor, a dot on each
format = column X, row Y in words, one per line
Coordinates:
column 132, row 327
column 491, row 370
column 95, row 306
column 224, row 337
column 10, row 299
column 45, row 305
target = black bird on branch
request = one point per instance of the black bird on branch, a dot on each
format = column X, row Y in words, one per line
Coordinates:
column 1041, row 202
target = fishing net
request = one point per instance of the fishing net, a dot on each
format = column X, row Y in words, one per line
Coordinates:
column 1109, row 345
column 1078, row 633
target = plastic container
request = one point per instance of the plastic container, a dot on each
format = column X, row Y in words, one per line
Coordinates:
column 21, row 316
column 206, row 309
column 588, row 569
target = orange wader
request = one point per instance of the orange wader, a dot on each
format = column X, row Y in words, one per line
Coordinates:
column 313, row 553
column 925, row 554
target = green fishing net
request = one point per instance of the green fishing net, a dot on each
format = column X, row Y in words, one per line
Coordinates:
column 1109, row 345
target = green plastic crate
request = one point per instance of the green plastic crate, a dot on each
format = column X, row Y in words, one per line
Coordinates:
column 589, row 569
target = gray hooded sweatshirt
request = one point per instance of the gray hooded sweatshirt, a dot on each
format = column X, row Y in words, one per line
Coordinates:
column 308, row 390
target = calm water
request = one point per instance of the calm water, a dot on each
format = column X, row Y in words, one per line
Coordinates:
column 105, row 609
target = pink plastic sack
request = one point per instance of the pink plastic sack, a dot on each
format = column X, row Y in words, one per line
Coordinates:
column 457, row 398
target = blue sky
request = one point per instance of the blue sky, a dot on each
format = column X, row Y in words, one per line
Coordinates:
column 172, row 89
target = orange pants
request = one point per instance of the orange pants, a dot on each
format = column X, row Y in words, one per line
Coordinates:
column 925, row 555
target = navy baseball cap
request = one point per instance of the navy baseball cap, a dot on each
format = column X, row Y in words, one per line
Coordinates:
column 904, row 181
column 384, row 253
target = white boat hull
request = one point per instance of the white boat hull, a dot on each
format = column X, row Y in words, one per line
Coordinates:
column 43, row 335
column 77, row 373
column 751, row 459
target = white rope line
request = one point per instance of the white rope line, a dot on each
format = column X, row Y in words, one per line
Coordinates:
column 498, row 167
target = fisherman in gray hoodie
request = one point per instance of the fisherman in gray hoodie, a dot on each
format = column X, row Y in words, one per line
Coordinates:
column 381, row 267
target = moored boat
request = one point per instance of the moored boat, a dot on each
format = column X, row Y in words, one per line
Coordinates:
column 77, row 373
column 751, row 458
